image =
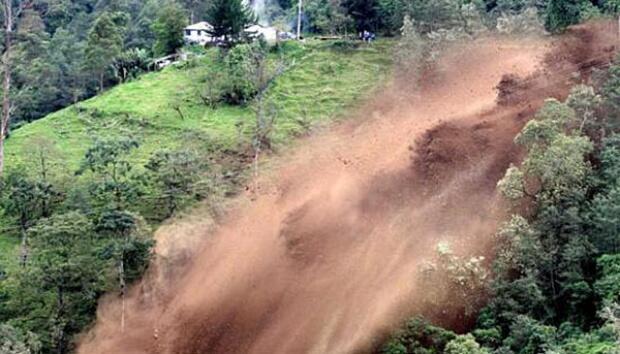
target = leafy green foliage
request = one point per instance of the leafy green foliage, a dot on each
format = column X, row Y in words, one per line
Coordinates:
column 556, row 273
column 545, row 269
column 130, row 63
column 229, row 19
column 119, row 179
column 242, row 64
column 528, row 336
column 168, row 28
column 62, row 281
column 105, row 42
column 562, row 13
column 464, row 345
column 174, row 177
column 113, row 184
column 13, row 341
column 27, row 200
column 417, row 336
column 608, row 284
column 328, row 16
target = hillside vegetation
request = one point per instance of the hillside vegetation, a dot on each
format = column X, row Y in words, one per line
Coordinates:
column 97, row 151
column 320, row 81
column 122, row 162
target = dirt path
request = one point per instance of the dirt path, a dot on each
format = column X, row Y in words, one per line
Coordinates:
column 325, row 256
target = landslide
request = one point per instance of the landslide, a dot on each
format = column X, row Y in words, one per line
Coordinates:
column 324, row 252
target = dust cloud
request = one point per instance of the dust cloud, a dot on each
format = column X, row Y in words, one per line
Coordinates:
column 324, row 253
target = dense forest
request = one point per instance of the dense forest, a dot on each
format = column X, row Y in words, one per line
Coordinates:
column 86, row 230
column 555, row 285
column 74, row 49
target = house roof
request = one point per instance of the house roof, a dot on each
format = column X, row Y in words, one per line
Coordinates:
column 204, row 26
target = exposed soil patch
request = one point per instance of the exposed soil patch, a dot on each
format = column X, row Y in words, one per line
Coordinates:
column 326, row 256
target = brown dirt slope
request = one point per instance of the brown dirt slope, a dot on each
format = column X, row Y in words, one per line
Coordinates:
column 325, row 256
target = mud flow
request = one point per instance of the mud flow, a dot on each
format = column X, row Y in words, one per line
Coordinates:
column 325, row 256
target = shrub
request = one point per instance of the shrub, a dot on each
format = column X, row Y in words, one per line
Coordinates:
column 242, row 63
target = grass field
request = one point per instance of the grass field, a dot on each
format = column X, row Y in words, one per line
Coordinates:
column 321, row 82
column 318, row 86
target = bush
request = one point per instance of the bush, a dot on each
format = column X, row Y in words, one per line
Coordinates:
column 418, row 336
column 465, row 345
column 242, row 66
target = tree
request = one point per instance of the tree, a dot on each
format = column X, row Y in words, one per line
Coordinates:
column 130, row 64
column 7, row 70
column 105, row 42
column 113, row 185
column 418, row 336
column 64, row 278
column 14, row 341
column 391, row 13
column 555, row 160
column 605, row 218
column 605, row 206
column 527, row 21
column 168, row 28
column 229, row 19
column 611, row 6
column 194, row 7
column 242, row 64
column 173, row 177
column 611, row 313
column 584, row 101
column 544, row 267
column 465, row 344
column 364, row 13
column 35, row 77
column 27, row 201
column 608, row 285
column 327, row 16
column 129, row 247
column 562, row 13
column 611, row 95
column 68, row 56
column 528, row 336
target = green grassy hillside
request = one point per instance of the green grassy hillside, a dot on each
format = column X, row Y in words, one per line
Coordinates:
column 321, row 81
column 319, row 84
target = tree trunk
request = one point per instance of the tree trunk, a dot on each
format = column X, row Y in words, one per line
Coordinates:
column 6, row 82
column 24, row 248
column 60, row 313
column 1, row 151
column 122, row 285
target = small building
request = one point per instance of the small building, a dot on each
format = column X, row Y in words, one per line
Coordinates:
column 198, row 33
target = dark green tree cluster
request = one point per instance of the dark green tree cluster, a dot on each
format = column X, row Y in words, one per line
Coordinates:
column 229, row 19
column 65, row 51
column 74, row 49
column 83, row 237
column 557, row 273
column 387, row 15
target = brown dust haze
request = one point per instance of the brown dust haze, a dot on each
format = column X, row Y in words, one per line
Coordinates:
column 324, row 253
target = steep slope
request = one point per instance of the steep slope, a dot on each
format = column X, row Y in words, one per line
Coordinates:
column 327, row 252
column 320, row 83
column 289, row 272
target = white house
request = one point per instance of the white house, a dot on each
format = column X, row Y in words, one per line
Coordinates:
column 198, row 33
